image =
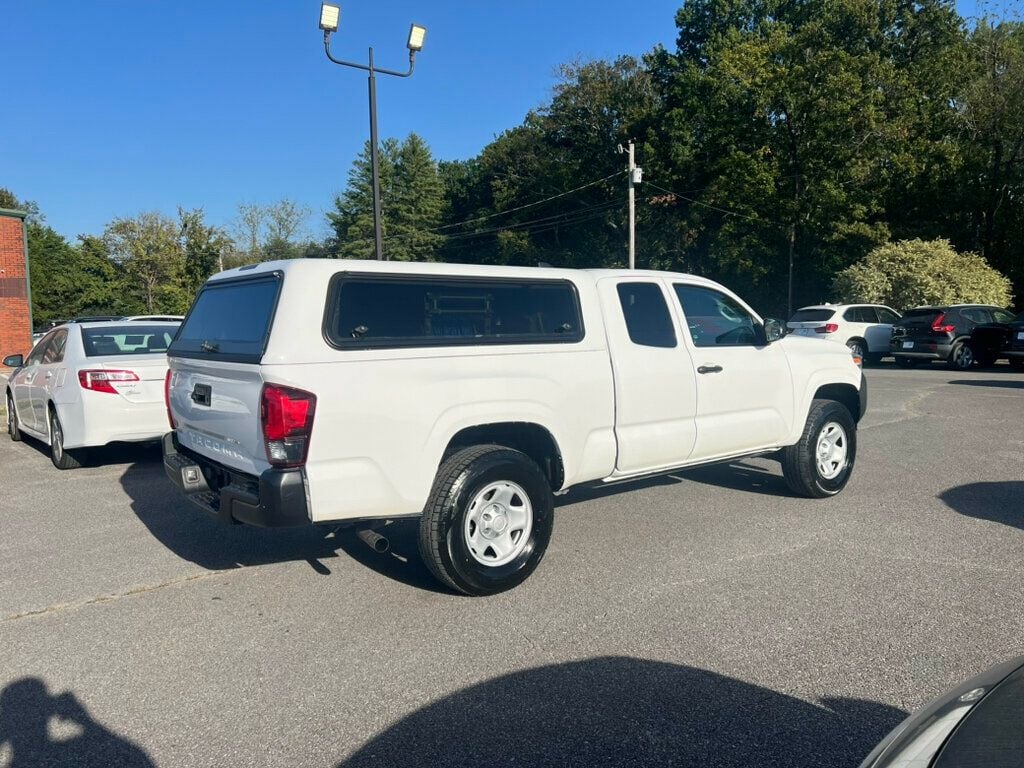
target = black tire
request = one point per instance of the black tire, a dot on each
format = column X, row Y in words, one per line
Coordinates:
column 61, row 458
column 799, row 461
column 961, row 356
column 1017, row 363
column 905, row 362
column 12, row 421
column 858, row 348
column 442, row 538
column 874, row 358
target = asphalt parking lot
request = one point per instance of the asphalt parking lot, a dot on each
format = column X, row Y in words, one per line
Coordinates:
column 706, row 618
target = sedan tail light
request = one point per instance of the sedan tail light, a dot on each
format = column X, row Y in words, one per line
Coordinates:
column 104, row 380
column 827, row 328
column 286, row 415
column 939, row 324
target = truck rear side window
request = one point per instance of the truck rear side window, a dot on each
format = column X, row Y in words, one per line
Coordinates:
column 230, row 320
column 647, row 319
column 382, row 311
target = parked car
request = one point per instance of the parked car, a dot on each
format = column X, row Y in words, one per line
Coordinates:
column 978, row 723
column 1003, row 338
column 154, row 318
column 924, row 334
column 864, row 328
column 89, row 384
column 95, row 319
column 313, row 391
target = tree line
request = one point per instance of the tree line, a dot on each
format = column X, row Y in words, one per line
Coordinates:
column 777, row 138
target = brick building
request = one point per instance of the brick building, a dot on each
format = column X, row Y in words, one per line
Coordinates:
column 15, row 308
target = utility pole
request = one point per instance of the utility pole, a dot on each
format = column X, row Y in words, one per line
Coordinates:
column 635, row 174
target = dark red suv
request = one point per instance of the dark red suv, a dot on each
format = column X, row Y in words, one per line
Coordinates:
column 939, row 333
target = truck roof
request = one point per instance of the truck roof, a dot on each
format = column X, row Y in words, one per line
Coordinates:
column 328, row 267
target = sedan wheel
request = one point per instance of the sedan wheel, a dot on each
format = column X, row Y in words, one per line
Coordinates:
column 61, row 458
column 12, row 421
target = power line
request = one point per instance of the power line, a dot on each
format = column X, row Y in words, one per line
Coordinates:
column 726, row 211
column 527, row 205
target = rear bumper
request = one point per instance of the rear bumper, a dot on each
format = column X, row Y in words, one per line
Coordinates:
column 922, row 350
column 276, row 498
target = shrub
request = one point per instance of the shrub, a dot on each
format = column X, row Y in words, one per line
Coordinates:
column 910, row 273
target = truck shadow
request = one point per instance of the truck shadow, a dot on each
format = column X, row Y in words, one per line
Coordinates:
column 620, row 711
column 999, row 502
column 735, row 475
column 199, row 538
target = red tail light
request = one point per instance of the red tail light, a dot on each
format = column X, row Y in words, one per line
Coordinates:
column 827, row 328
column 167, row 399
column 939, row 326
column 287, row 418
column 103, row 380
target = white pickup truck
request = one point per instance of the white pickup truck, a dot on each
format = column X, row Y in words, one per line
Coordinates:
column 321, row 391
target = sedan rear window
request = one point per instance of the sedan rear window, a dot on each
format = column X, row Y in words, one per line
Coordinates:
column 811, row 315
column 230, row 320
column 127, row 340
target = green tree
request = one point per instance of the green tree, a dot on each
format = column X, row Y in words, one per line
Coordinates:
column 915, row 272
column 204, row 247
column 415, row 204
column 67, row 280
column 148, row 251
column 352, row 217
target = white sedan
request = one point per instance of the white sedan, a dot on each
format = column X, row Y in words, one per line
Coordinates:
column 89, row 384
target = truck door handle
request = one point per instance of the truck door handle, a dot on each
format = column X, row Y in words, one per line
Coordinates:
column 709, row 369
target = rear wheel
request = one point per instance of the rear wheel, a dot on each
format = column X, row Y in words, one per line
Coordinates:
column 61, row 458
column 12, row 421
column 488, row 520
column 820, row 463
column 858, row 348
column 961, row 357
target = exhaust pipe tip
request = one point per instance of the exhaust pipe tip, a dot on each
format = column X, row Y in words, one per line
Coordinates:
column 374, row 540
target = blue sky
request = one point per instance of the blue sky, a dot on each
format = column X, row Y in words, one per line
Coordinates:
column 113, row 108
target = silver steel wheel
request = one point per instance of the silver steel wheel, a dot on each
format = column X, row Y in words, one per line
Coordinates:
column 56, row 438
column 498, row 523
column 830, row 453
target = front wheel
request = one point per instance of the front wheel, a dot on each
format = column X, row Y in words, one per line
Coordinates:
column 488, row 520
column 820, row 463
column 12, row 421
column 61, row 458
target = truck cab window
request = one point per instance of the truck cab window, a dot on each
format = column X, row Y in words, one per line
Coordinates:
column 714, row 319
column 646, row 312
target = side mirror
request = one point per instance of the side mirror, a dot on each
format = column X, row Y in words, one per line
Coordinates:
column 774, row 329
column 14, row 361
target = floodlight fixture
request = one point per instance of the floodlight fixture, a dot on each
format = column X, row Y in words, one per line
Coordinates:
column 417, row 34
column 329, row 16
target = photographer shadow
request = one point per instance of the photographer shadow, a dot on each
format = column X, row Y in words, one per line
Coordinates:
column 29, row 718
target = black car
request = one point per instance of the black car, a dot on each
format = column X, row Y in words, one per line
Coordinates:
column 1002, row 338
column 939, row 333
column 978, row 723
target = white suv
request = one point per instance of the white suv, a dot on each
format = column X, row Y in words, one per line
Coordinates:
column 864, row 328
column 321, row 391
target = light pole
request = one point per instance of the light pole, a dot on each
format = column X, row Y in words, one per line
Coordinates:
column 329, row 17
